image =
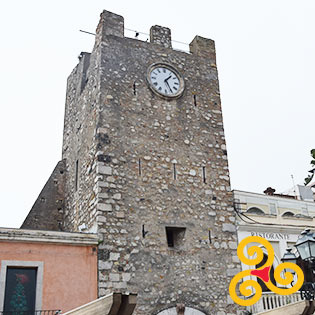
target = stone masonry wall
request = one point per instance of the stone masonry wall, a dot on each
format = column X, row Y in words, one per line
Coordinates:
column 147, row 163
column 47, row 211
column 79, row 146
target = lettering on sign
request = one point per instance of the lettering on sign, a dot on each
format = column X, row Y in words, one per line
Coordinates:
column 271, row 236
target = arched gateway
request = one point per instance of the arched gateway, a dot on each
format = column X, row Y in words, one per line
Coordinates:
column 188, row 311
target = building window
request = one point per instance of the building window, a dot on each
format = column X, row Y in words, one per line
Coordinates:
column 20, row 290
column 255, row 210
column 288, row 214
column 21, row 286
column 175, row 236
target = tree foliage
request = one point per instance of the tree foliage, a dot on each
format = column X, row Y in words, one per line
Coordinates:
column 312, row 171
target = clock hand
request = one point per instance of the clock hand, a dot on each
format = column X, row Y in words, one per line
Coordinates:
column 167, row 78
column 168, row 86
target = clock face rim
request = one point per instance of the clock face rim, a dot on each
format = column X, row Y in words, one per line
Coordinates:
column 175, row 71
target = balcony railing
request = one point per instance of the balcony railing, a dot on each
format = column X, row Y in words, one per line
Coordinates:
column 270, row 301
column 41, row 312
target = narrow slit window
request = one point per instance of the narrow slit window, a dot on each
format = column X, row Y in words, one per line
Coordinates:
column 195, row 100
column 144, row 232
column 174, row 171
column 204, row 178
column 139, row 167
column 76, row 175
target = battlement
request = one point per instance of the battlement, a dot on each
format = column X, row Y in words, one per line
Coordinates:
column 113, row 24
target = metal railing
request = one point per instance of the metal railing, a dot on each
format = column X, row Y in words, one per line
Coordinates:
column 270, row 301
column 40, row 312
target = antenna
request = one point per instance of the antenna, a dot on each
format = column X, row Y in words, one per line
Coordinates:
column 293, row 180
column 294, row 186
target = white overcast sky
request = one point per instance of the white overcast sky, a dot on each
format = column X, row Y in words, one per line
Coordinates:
column 265, row 57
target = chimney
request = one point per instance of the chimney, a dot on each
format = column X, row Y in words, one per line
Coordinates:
column 269, row 191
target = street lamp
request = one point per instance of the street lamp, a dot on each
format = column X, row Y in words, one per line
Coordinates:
column 306, row 245
column 289, row 257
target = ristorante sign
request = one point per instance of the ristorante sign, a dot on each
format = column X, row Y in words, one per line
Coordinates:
column 271, row 236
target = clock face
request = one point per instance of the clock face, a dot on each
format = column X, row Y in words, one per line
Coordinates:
column 165, row 80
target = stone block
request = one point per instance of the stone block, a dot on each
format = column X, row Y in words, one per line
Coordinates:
column 232, row 245
column 120, row 285
column 104, row 170
column 117, row 196
column 104, row 207
column 105, row 265
column 120, row 214
column 114, row 256
column 126, row 276
column 114, row 277
column 228, row 227
column 102, row 195
column 192, row 173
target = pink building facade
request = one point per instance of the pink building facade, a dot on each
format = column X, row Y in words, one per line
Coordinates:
column 45, row 270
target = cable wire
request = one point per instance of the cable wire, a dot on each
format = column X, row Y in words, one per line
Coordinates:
column 266, row 223
column 128, row 29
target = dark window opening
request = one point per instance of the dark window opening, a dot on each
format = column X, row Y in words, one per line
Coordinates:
column 174, row 171
column 76, row 174
column 144, row 232
column 255, row 210
column 195, row 100
column 175, row 236
column 204, row 175
column 20, row 290
column 139, row 167
column 288, row 214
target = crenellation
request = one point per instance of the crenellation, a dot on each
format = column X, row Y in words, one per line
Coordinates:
column 109, row 24
column 162, row 36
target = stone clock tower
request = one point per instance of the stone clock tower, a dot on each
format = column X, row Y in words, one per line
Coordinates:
column 146, row 169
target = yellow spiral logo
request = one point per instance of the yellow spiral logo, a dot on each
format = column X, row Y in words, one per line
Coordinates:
column 251, row 289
